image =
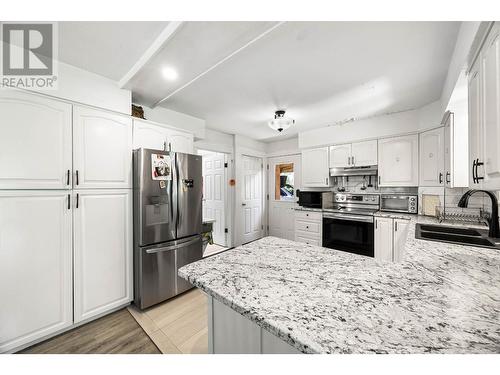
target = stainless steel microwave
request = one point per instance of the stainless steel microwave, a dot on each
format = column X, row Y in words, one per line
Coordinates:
column 399, row 203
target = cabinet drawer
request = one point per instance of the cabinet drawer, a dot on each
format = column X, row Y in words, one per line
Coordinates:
column 308, row 226
column 308, row 215
column 307, row 240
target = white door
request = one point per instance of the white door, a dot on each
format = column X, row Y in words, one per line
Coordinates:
column 315, row 171
column 35, row 142
column 398, row 161
column 340, row 156
column 102, row 149
column 432, row 158
column 491, row 109
column 103, row 251
column 475, row 126
column 401, row 227
column 284, row 178
column 180, row 141
column 252, row 199
column 383, row 239
column 364, row 153
column 214, row 194
column 35, row 265
column 147, row 135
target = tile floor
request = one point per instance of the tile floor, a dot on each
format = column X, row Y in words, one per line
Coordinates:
column 177, row 326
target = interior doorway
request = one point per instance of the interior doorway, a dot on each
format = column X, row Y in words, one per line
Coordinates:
column 216, row 207
column 252, row 199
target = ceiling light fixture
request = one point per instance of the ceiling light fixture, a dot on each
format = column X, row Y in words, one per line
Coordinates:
column 169, row 73
column 280, row 122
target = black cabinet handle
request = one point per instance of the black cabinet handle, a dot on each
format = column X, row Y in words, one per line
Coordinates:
column 67, row 178
column 478, row 163
column 474, row 171
column 440, row 177
column 77, row 199
column 448, row 174
column 77, row 178
column 69, row 201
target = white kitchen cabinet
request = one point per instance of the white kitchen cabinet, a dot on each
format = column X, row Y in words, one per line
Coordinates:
column 358, row 154
column 364, row 153
column 475, row 126
column 383, row 239
column 431, row 163
column 102, row 149
column 309, row 227
column 398, row 161
column 340, row 156
column 315, row 171
column 35, row 142
column 102, row 250
column 490, row 109
column 390, row 238
column 35, row 265
column 148, row 135
column 179, row 141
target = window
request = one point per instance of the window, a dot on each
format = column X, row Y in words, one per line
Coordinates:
column 283, row 182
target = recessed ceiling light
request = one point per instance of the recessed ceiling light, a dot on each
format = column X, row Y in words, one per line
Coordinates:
column 169, row 73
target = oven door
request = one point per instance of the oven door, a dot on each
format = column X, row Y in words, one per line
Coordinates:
column 395, row 203
column 351, row 233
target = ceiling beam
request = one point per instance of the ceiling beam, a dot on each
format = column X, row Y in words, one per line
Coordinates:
column 152, row 50
column 260, row 36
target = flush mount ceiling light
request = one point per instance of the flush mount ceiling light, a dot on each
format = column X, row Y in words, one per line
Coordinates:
column 280, row 122
column 170, row 74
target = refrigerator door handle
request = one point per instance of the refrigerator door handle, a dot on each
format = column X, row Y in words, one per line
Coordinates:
column 173, row 247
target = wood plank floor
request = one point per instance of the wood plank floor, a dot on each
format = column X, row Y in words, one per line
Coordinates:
column 178, row 325
column 115, row 333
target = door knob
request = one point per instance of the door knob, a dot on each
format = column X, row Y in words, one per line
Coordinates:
column 243, row 204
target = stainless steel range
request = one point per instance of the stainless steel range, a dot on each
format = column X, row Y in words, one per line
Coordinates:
column 348, row 224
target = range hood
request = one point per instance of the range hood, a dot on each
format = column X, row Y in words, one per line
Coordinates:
column 370, row 170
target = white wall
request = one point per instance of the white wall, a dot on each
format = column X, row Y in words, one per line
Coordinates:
column 180, row 120
column 406, row 122
column 81, row 86
column 284, row 147
column 216, row 141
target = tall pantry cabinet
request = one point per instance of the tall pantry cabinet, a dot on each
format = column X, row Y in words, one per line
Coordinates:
column 65, row 215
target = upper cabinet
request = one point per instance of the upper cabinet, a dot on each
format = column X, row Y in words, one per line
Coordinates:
column 475, row 126
column 35, row 142
column 315, row 171
column 432, row 157
column 102, row 149
column 150, row 135
column 398, row 161
column 358, row 154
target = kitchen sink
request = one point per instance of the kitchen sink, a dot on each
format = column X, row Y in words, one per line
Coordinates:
column 462, row 236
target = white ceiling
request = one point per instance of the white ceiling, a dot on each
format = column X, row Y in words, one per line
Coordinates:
column 109, row 49
column 320, row 72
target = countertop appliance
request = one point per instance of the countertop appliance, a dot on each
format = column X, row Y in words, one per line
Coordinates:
column 399, row 203
column 349, row 224
column 167, row 222
column 313, row 199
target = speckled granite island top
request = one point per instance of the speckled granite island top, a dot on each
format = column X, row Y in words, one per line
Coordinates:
column 443, row 298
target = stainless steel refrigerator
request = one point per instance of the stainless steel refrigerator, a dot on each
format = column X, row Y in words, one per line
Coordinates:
column 167, row 222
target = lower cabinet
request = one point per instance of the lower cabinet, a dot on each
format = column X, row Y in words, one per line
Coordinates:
column 309, row 227
column 390, row 238
column 103, row 251
column 35, row 266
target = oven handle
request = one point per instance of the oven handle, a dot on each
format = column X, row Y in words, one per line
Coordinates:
column 364, row 219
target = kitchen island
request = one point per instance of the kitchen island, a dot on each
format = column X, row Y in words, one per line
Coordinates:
column 443, row 298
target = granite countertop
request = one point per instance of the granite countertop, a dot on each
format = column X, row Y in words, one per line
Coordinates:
column 443, row 298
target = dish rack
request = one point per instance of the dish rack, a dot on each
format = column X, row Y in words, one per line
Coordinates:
column 462, row 215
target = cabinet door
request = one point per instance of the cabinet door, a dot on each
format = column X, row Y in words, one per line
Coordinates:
column 383, row 239
column 102, row 149
column 432, row 158
column 340, row 156
column 490, row 82
column 315, row 171
column 103, row 251
column 180, row 141
column 475, row 126
column 398, row 161
column 148, row 135
column 35, row 142
column 35, row 266
column 401, row 227
column 364, row 153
